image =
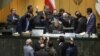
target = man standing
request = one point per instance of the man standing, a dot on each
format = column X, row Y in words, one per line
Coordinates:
column 12, row 19
column 71, row 48
column 24, row 23
column 61, row 49
column 28, row 50
column 42, row 51
column 91, row 23
column 51, row 51
column 81, row 26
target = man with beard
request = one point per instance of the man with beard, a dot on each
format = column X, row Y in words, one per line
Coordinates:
column 91, row 23
column 61, row 49
column 81, row 27
column 71, row 49
column 30, row 9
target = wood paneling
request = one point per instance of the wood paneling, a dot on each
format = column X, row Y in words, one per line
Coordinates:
column 73, row 7
column 65, row 4
column 4, row 13
column 82, row 7
column 68, row 5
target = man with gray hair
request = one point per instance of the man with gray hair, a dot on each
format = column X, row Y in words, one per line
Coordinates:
column 28, row 50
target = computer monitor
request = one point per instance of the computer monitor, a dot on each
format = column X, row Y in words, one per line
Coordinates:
column 37, row 32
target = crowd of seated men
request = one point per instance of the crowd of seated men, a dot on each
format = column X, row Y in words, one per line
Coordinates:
column 53, row 21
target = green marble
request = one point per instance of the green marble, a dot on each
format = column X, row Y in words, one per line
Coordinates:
column 13, row 46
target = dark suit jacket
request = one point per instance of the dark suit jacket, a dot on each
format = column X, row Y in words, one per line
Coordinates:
column 91, row 24
column 10, row 18
column 37, row 46
column 61, row 50
column 75, row 23
column 71, row 51
column 22, row 24
column 81, row 25
column 41, row 52
column 67, row 22
column 11, row 22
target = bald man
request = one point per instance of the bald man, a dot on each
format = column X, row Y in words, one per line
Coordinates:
column 28, row 50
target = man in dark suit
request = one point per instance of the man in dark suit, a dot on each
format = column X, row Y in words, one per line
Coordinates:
column 42, row 51
column 60, row 14
column 71, row 49
column 67, row 20
column 25, row 23
column 61, row 49
column 43, row 18
column 12, row 19
column 91, row 23
column 81, row 27
column 50, row 49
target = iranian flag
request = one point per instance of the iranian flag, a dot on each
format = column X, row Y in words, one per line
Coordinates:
column 51, row 4
column 98, row 6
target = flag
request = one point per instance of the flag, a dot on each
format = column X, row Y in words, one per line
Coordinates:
column 51, row 4
column 98, row 6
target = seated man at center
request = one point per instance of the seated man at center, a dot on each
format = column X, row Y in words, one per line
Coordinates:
column 56, row 27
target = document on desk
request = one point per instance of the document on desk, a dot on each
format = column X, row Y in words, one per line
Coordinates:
column 53, row 35
column 69, row 35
